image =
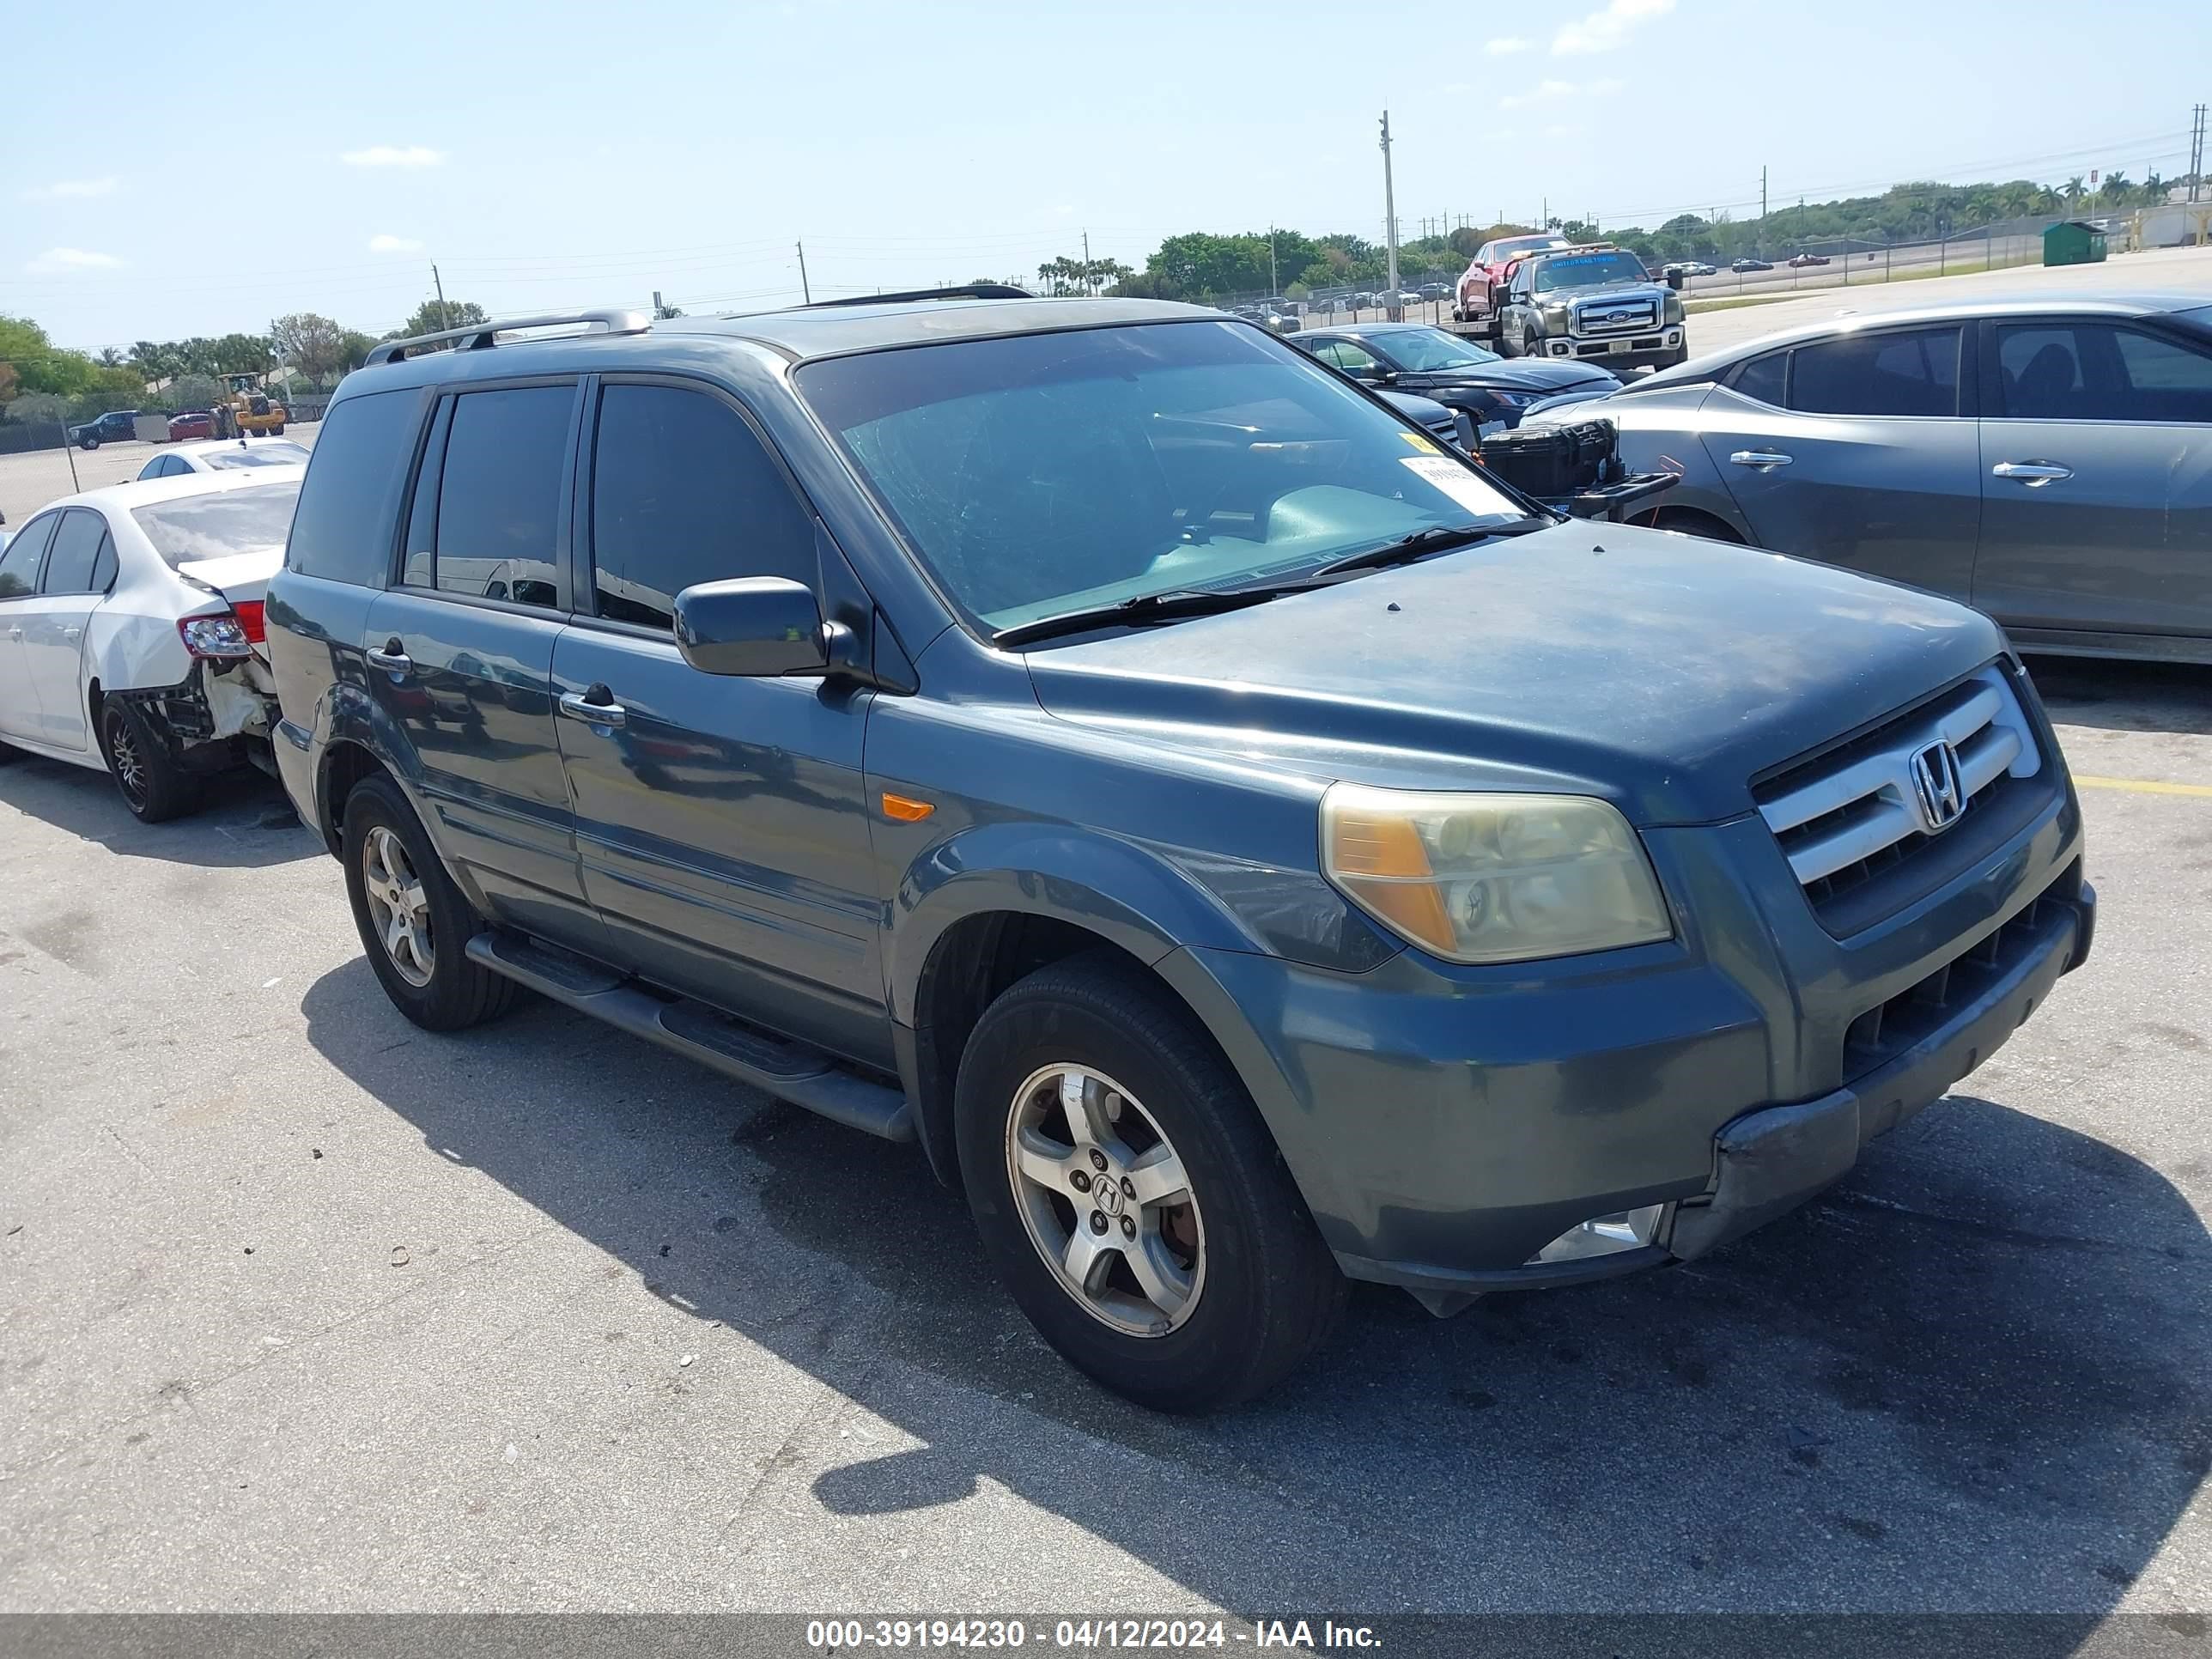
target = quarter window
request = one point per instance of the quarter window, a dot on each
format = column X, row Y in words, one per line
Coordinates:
column 1763, row 378
column 499, row 495
column 683, row 492
column 1915, row 372
column 76, row 548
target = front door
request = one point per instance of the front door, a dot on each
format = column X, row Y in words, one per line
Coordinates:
column 19, row 589
column 460, row 653
column 720, row 821
column 1853, row 451
column 53, row 626
column 2096, row 451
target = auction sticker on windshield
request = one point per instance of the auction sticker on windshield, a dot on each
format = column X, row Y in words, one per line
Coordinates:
column 1464, row 487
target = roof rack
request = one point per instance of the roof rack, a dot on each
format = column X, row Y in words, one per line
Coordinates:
column 482, row 336
column 966, row 291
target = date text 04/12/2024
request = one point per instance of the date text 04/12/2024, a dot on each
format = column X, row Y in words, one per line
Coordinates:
column 853, row 1635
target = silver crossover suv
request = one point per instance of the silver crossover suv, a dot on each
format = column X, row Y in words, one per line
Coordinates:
column 2049, row 461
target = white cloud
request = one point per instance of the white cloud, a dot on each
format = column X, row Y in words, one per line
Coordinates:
column 1544, row 92
column 64, row 190
column 382, row 244
column 1506, row 46
column 394, row 155
column 1607, row 29
column 56, row 260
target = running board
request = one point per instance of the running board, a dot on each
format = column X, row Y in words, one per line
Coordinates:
column 789, row 1070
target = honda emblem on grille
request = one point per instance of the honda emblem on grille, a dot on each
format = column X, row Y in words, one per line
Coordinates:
column 1935, row 781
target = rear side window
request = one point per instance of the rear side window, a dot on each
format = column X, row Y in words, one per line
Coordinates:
column 683, row 492
column 499, row 495
column 1913, row 373
column 76, row 548
column 19, row 565
column 343, row 530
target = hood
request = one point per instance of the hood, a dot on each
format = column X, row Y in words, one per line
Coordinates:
column 1510, row 374
column 1659, row 671
column 237, row 576
column 1620, row 294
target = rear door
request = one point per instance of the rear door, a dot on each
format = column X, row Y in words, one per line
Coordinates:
column 19, row 586
column 460, row 652
column 721, row 820
column 2096, row 449
column 1858, row 450
column 80, row 567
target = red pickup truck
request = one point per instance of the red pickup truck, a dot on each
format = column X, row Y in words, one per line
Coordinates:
column 1480, row 283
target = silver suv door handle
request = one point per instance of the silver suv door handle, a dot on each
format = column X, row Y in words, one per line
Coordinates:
column 1761, row 459
column 392, row 659
column 2033, row 474
column 585, row 706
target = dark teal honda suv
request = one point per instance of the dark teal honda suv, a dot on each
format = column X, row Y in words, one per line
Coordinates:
column 1247, row 846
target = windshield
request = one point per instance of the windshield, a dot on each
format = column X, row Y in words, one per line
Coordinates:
column 1043, row 473
column 276, row 453
column 1423, row 350
column 215, row 525
column 1589, row 270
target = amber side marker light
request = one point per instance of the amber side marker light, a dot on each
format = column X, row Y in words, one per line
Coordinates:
column 904, row 809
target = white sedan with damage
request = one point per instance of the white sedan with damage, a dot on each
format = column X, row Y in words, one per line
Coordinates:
column 131, row 631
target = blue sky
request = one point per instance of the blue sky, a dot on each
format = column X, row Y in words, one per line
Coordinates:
column 551, row 155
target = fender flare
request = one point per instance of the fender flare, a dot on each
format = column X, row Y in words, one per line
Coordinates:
column 349, row 716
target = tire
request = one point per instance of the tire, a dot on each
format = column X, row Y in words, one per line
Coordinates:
column 147, row 776
column 88, row 440
column 278, row 430
column 1260, row 1291
column 424, row 968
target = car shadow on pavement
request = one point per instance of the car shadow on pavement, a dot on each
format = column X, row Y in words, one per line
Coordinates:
column 246, row 822
column 1976, row 1377
column 2125, row 696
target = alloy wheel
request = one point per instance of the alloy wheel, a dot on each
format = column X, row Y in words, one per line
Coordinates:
column 398, row 906
column 1105, row 1200
column 129, row 764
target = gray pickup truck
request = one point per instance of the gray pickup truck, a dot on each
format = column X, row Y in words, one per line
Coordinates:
column 1244, row 845
column 1590, row 303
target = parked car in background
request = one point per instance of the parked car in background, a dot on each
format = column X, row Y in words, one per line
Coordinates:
column 228, row 456
column 1455, row 372
column 131, row 632
column 1362, row 302
column 1481, row 283
column 193, row 423
column 2047, row 460
column 1591, row 301
column 1244, row 844
column 1739, row 266
column 1803, row 261
column 1434, row 291
column 1699, row 267
column 117, row 425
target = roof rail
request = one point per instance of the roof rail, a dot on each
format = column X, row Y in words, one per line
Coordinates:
column 966, row 291
column 482, row 336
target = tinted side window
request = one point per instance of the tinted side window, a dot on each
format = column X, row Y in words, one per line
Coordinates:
column 69, row 567
column 342, row 529
column 103, row 567
column 1762, row 377
column 19, row 565
column 683, row 492
column 2168, row 381
column 1915, row 373
column 499, row 500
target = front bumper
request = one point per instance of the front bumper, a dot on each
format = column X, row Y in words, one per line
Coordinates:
column 1625, row 351
column 1446, row 1125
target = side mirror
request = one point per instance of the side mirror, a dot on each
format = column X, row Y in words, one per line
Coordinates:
column 1676, row 279
column 752, row 627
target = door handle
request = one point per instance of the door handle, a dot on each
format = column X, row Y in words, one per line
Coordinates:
column 392, row 659
column 15, row 632
column 2033, row 474
column 596, row 707
column 72, row 633
column 1761, row 459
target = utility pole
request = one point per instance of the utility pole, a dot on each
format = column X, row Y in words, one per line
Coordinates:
column 1762, row 213
column 1390, row 220
column 2197, row 152
column 805, row 293
column 1274, row 287
column 1089, row 292
column 445, row 316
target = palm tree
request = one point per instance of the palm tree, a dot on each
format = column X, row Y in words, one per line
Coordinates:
column 2153, row 189
column 2116, row 190
column 2072, row 191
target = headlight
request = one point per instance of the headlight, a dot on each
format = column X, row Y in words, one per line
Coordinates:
column 1555, row 319
column 1674, row 312
column 1492, row 878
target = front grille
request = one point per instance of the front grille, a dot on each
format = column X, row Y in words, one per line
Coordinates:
column 1851, row 820
column 1618, row 317
column 1918, row 1012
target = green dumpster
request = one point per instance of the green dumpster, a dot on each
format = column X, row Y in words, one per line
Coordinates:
column 2071, row 242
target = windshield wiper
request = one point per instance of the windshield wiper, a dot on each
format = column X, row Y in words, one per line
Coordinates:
column 1422, row 542
column 1168, row 606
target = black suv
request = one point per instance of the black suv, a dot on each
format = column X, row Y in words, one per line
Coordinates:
column 1246, row 845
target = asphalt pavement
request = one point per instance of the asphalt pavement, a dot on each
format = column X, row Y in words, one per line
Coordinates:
column 302, row 1308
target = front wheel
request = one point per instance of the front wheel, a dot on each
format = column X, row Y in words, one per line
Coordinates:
column 1131, row 1199
column 278, row 430
column 88, row 441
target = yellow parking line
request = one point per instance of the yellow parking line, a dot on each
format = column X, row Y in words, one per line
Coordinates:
column 2144, row 786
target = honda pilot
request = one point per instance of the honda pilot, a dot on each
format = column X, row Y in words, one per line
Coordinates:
column 1245, row 846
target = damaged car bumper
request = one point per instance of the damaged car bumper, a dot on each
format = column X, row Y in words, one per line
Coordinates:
column 220, row 713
